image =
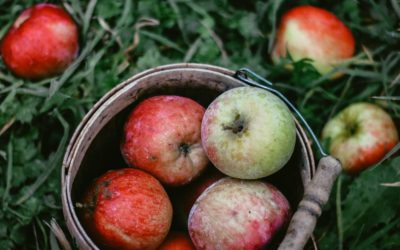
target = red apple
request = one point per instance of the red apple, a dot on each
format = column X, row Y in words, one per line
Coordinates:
column 186, row 196
column 237, row 214
column 360, row 135
column 127, row 209
column 248, row 133
column 177, row 241
column 314, row 33
column 42, row 42
column 162, row 137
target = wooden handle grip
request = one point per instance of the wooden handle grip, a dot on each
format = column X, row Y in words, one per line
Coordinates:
column 316, row 194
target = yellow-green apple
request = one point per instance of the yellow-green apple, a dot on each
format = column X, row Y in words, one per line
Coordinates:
column 162, row 137
column 248, row 133
column 237, row 214
column 42, row 42
column 360, row 135
column 126, row 209
column 316, row 34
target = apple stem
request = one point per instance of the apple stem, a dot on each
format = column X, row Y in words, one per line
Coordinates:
column 316, row 195
column 184, row 148
column 243, row 75
column 237, row 126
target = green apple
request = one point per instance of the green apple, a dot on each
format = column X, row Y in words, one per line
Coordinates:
column 248, row 133
column 360, row 135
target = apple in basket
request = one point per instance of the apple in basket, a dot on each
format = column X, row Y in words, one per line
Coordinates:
column 360, row 135
column 248, row 133
column 237, row 214
column 177, row 241
column 126, row 209
column 162, row 137
column 42, row 42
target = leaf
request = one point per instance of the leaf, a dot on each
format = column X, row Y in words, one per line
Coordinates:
column 369, row 204
column 248, row 26
column 28, row 109
column 6, row 244
column 108, row 9
column 18, row 234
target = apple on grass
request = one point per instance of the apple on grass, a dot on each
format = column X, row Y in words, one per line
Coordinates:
column 126, row 209
column 237, row 214
column 360, row 136
column 42, row 42
column 162, row 137
column 316, row 34
column 248, row 133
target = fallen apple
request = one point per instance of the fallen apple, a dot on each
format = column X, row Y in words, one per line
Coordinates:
column 126, row 209
column 237, row 214
column 248, row 133
column 42, row 42
column 316, row 34
column 177, row 241
column 162, row 137
column 360, row 135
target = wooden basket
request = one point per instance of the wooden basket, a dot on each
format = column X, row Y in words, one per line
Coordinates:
column 94, row 147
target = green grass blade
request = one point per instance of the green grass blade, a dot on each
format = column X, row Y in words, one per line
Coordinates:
column 51, row 165
column 56, row 84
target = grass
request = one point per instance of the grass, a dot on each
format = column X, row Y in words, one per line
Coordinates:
column 121, row 38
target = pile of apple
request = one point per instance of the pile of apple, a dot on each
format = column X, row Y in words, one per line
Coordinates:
column 217, row 157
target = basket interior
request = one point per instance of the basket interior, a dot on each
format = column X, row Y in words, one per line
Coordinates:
column 103, row 152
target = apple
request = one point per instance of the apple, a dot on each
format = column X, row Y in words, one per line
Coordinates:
column 42, row 42
column 177, row 241
column 162, row 137
column 184, row 198
column 237, row 214
column 360, row 135
column 126, row 209
column 248, row 133
column 316, row 34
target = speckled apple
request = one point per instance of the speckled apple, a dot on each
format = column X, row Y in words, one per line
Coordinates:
column 360, row 135
column 126, row 209
column 237, row 214
column 248, row 133
column 162, row 137
column 313, row 33
column 42, row 42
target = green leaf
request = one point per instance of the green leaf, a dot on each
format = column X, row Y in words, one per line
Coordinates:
column 248, row 26
column 18, row 234
column 371, row 206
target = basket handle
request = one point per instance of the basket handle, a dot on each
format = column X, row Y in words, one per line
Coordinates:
column 317, row 191
column 316, row 195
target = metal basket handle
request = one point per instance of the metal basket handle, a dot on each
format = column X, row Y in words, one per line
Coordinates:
column 317, row 191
